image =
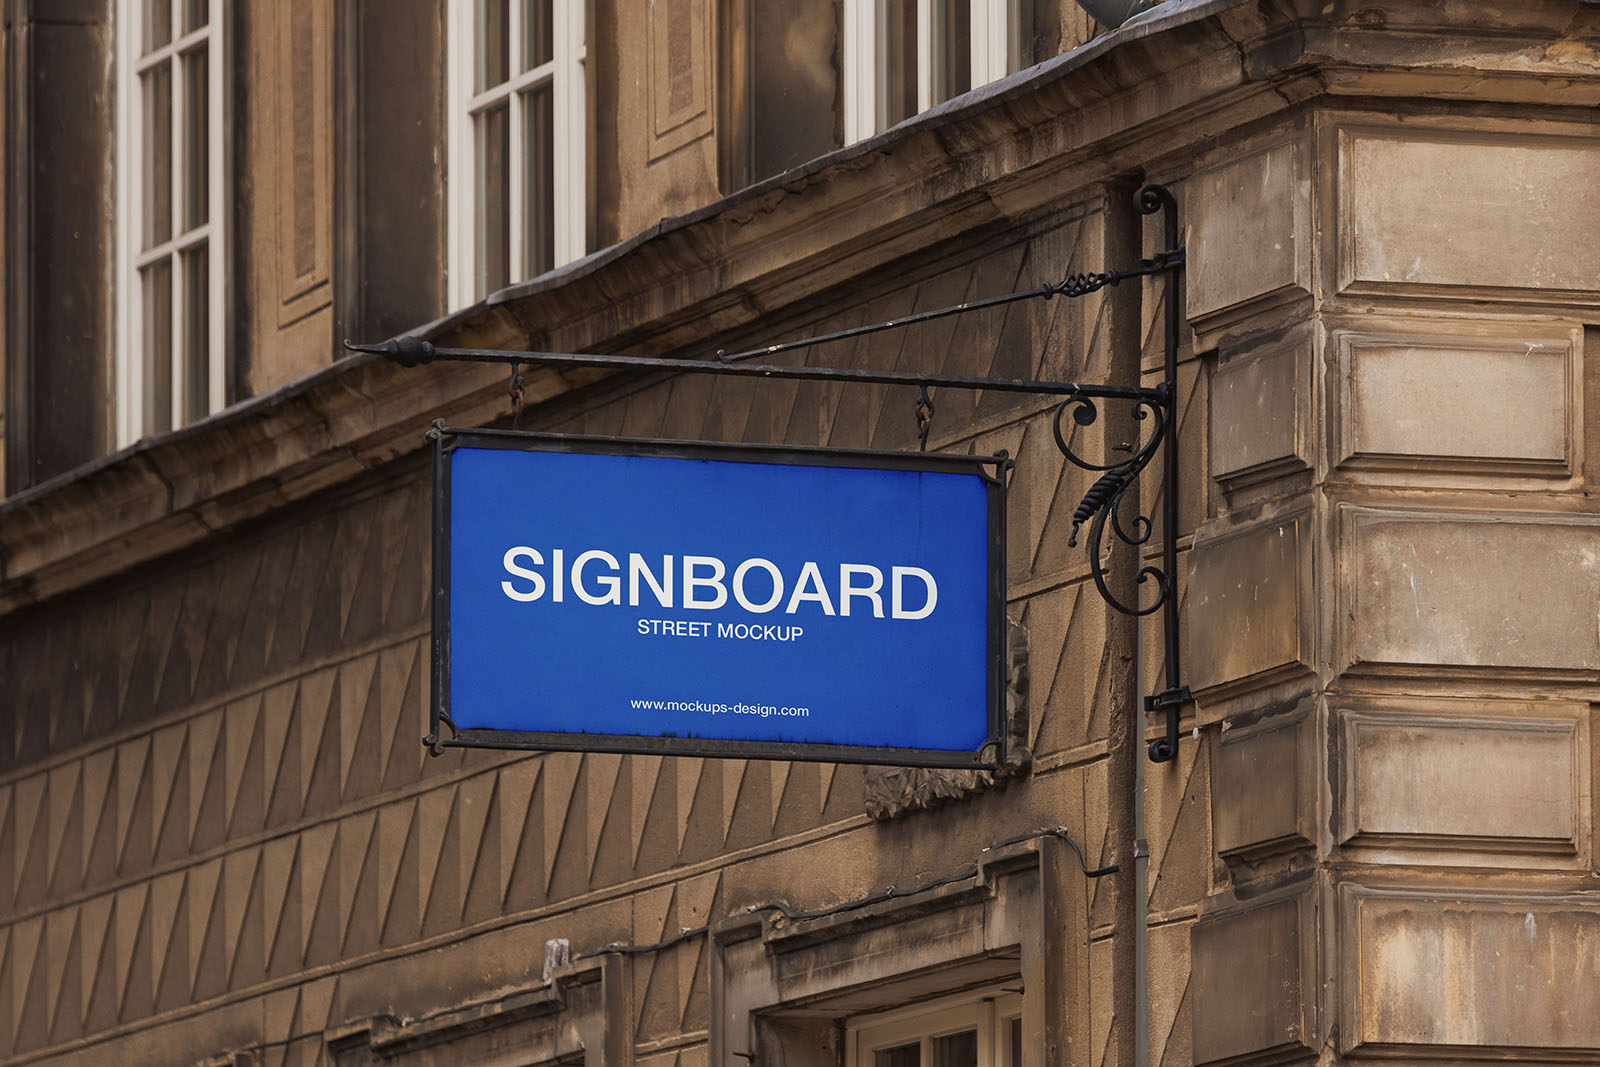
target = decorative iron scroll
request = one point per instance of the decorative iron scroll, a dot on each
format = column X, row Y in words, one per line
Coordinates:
column 1101, row 506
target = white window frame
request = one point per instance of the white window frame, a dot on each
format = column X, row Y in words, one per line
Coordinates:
column 130, row 256
column 565, row 72
column 994, row 25
column 989, row 1011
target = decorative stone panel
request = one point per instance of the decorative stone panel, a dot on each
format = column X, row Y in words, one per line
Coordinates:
column 1515, row 976
column 1422, row 402
column 1466, row 782
column 1515, row 595
column 679, row 66
column 1434, row 213
column 303, row 90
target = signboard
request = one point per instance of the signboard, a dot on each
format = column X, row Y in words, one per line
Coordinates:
column 716, row 600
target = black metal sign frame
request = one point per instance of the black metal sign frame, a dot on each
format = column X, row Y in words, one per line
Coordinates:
column 1101, row 507
column 994, row 470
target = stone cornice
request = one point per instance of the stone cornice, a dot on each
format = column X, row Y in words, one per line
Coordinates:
column 1186, row 72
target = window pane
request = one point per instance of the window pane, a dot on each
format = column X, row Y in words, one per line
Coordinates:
column 196, row 140
column 196, row 334
column 493, row 129
column 155, row 281
column 1014, row 1041
column 538, row 183
column 899, row 1056
column 793, row 84
column 952, row 25
column 956, row 1050
column 195, row 13
column 898, row 60
column 537, row 32
column 494, row 44
column 157, row 199
column 157, row 24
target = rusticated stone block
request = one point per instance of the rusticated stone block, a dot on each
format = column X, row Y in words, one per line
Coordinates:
column 1265, row 797
column 1260, row 429
column 1251, row 981
column 1422, row 402
column 1247, row 604
column 1453, row 210
column 1249, row 232
column 1467, row 781
column 1470, row 589
column 1510, row 977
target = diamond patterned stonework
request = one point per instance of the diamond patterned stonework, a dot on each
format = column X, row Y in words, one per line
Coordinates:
column 230, row 798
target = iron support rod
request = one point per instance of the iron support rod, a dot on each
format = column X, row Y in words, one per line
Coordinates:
column 411, row 352
column 1074, row 285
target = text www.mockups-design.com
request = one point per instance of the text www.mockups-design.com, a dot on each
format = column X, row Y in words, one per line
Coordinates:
column 709, row 708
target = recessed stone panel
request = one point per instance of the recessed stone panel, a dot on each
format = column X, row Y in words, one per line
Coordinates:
column 1463, row 209
column 1511, row 977
column 1479, row 589
column 1488, row 778
column 1245, row 603
column 1249, row 231
column 304, row 171
column 1474, row 399
column 678, row 67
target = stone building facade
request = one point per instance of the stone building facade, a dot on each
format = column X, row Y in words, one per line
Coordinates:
column 221, row 840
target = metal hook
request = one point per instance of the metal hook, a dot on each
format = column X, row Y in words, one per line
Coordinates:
column 924, row 418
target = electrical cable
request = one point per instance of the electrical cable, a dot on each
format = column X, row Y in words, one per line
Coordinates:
column 1061, row 833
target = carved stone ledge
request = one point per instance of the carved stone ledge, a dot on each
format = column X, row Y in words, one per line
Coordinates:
column 895, row 791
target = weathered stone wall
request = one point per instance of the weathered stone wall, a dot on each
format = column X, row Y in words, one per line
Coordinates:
column 222, row 829
column 1391, row 609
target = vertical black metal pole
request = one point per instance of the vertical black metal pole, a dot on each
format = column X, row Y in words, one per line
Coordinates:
column 1169, row 513
column 1153, row 198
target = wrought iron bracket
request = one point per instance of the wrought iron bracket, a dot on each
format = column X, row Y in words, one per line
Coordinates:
column 1102, row 505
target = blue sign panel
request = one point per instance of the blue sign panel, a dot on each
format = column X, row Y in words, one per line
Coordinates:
column 717, row 600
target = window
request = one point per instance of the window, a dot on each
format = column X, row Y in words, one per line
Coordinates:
column 171, row 190
column 780, row 78
column 518, row 162
column 970, row 1030
column 902, row 57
